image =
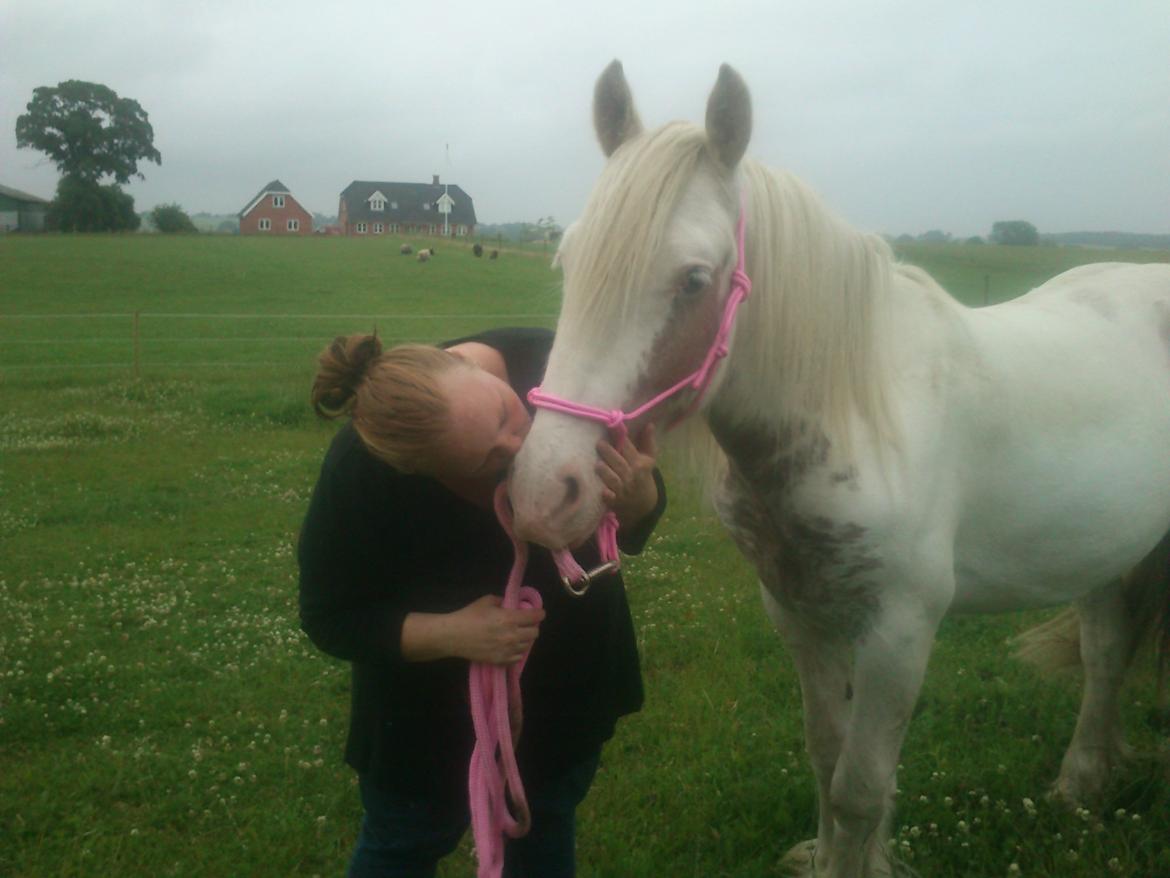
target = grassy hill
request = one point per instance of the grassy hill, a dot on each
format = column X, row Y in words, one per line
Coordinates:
column 162, row 715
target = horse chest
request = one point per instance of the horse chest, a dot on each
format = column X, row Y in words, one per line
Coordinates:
column 817, row 564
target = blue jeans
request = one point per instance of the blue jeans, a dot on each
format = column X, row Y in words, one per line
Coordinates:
column 405, row 837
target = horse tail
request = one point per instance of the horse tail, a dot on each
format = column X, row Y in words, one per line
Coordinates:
column 1052, row 646
column 1055, row 645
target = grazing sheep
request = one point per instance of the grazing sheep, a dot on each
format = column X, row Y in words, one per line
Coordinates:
column 495, row 254
column 405, row 249
column 424, row 255
column 477, row 250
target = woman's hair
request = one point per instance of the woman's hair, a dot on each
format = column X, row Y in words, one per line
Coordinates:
column 392, row 396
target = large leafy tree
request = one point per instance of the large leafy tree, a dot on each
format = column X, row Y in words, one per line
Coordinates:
column 88, row 131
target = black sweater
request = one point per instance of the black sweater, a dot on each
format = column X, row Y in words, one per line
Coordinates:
column 378, row 544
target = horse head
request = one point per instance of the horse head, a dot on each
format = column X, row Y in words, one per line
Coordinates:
column 647, row 269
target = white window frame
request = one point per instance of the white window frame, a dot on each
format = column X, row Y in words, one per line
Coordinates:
column 377, row 204
column 265, row 224
column 393, row 228
column 378, row 228
column 360, row 228
column 294, row 225
column 278, row 201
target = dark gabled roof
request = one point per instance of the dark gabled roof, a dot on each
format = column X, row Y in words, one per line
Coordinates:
column 17, row 195
column 410, row 198
column 275, row 186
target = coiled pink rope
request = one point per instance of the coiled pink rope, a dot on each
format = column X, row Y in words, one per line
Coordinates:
column 497, row 715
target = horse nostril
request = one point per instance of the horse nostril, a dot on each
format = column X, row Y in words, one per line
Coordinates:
column 572, row 490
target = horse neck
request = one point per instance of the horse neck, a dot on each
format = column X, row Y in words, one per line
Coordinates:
column 808, row 347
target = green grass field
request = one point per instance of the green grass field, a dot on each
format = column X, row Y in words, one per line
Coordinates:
column 161, row 713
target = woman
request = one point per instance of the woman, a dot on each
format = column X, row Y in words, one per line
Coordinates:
column 402, row 561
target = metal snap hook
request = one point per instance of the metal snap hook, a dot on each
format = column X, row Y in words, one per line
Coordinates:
column 578, row 589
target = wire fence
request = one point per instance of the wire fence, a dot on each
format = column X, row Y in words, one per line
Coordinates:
column 140, row 341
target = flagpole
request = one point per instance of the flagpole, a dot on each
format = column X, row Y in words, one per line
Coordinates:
column 447, row 205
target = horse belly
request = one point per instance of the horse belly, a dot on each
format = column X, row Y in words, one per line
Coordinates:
column 1067, row 476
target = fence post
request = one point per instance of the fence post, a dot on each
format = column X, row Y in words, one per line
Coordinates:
column 137, row 372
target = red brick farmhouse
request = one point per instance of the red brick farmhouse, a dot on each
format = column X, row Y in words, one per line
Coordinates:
column 380, row 208
column 274, row 211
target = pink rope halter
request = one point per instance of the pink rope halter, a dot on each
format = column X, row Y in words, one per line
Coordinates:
column 616, row 420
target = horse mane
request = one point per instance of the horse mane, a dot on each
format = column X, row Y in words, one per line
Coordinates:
column 814, row 330
column 811, row 333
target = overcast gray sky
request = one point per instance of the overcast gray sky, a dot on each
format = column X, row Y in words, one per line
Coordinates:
column 905, row 115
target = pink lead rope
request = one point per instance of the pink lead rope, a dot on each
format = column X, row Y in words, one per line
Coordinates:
column 497, row 715
column 575, row 579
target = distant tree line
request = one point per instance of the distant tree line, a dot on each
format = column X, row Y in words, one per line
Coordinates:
column 1016, row 233
column 546, row 228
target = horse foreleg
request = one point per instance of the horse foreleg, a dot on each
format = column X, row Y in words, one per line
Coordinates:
column 889, row 666
column 824, row 669
column 1107, row 644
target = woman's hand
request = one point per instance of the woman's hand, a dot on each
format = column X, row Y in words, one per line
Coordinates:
column 483, row 631
column 628, row 476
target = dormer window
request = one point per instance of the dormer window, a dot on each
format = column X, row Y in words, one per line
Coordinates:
column 278, row 201
column 377, row 202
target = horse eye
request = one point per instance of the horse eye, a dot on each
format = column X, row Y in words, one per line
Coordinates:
column 696, row 280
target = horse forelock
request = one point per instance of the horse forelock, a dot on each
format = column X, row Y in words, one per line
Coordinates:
column 610, row 259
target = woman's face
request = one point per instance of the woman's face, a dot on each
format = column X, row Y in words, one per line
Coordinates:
column 488, row 424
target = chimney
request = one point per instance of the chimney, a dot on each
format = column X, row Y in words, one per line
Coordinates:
column 436, row 182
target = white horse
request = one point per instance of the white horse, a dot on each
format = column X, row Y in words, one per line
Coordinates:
column 889, row 454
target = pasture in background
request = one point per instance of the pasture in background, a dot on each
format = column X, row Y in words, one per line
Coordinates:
column 160, row 712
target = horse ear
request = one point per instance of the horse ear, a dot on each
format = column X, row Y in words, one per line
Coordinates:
column 614, row 116
column 729, row 117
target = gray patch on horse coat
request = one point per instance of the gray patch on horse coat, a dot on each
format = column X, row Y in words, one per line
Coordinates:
column 816, row 567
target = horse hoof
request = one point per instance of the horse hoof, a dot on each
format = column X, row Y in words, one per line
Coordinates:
column 798, row 862
column 1073, row 795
